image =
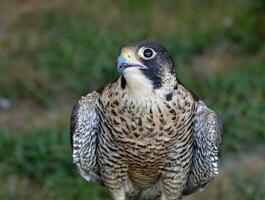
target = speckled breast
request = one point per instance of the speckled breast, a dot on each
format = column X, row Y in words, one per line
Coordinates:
column 143, row 134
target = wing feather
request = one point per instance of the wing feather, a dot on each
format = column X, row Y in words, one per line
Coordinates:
column 83, row 131
column 208, row 136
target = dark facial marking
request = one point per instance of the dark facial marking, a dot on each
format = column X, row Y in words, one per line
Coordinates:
column 153, row 72
column 157, row 65
column 123, row 82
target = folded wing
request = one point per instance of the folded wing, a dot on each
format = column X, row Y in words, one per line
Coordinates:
column 84, row 131
column 208, row 136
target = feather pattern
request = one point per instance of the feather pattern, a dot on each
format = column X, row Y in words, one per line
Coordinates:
column 83, row 131
column 207, row 148
column 145, row 142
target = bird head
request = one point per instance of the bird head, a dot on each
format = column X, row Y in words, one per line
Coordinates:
column 146, row 65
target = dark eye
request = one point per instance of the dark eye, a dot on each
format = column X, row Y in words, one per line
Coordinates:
column 147, row 53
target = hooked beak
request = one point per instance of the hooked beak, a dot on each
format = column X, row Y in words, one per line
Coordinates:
column 126, row 60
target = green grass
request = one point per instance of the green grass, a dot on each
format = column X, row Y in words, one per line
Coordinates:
column 52, row 53
column 45, row 159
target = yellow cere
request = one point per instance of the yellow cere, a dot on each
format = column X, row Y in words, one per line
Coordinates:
column 125, row 53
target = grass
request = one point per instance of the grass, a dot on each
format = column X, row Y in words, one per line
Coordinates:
column 45, row 159
column 52, row 53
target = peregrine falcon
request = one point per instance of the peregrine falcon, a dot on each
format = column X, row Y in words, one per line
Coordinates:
column 144, row 135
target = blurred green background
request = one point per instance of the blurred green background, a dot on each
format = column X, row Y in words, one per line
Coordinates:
column 54, row 51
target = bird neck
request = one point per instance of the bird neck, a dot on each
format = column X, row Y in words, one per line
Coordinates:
column 142, row 88
column 138, row 86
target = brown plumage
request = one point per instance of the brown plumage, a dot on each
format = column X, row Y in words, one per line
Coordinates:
column 145, row 136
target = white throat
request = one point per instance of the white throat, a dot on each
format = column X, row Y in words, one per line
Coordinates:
column 137, row 83
column 141, row 87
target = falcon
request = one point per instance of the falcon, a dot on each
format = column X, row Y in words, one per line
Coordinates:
column 144, row 135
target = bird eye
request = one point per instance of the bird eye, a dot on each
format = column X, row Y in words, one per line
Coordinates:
column 147, row 53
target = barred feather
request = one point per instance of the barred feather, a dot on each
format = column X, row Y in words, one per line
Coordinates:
column 207, row 148
column 84, row 130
